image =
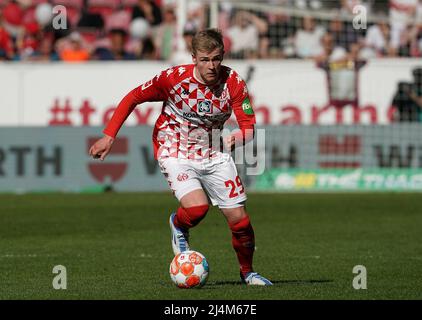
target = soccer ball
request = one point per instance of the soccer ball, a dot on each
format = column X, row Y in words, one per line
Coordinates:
column 189, row 269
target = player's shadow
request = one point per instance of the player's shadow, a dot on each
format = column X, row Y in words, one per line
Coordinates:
column 281, row 282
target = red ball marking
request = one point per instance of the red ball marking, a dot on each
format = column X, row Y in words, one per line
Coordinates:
column 193, row 281
column 176, row 259
column 187, row 268
column 174, row 268
column 195, row 258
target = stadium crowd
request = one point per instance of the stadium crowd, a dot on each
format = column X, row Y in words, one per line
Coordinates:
column 147, row 30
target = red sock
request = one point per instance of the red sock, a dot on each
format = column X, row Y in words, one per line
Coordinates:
column 187, row 218
column 243, row 240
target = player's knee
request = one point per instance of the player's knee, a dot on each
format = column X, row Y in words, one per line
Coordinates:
column 196, row 214
column 234, row 215
column 242, row 228
column 240, row 224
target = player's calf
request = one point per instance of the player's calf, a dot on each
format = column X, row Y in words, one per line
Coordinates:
column 243, row 241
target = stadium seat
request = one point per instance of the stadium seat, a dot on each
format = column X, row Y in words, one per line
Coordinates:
column 129, row 3
column 29, row 15
column 69, row 3
column 37, row 2
column 118, row 20
column 103, row 7
column 29, row 12
column 104, row 3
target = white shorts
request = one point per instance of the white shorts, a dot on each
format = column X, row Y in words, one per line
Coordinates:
column 217, row 177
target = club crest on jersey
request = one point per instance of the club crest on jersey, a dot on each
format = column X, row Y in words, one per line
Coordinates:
column 182, row 176
column 205, row 106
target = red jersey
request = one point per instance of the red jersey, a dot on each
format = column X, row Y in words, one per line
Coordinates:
column 5, row 42
column 191, row 111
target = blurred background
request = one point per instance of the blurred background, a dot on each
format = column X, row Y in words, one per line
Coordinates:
column 336, row 87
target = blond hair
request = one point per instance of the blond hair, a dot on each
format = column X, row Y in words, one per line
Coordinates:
column 207, row 40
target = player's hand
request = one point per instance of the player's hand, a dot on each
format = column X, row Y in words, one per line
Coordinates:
column 101, row 147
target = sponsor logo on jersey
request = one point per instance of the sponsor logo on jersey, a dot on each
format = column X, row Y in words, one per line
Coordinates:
column 194, row 115
column 190, row 115
column 204, row 106
column 247, row 107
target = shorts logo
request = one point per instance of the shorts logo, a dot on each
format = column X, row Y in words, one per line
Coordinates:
column 204, row 106
column 247, row 107
column 182, row 177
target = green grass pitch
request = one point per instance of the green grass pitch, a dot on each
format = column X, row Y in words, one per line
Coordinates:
column 117, row 246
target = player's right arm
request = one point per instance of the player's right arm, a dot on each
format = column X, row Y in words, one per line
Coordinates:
column 153, row 90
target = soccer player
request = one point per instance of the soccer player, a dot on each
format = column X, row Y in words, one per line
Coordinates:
column 197, row 100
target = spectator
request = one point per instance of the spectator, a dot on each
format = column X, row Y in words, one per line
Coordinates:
column 347, row 6
column 13, row 18
column 3, row 56
column 148, row 50
column 419, row 12
column 141, row 42
column 280, row 29
column 380, row 7
column 407, row 41
column 183, row 55
column 148, row 10
column 402, row 14
column 406, row 111
column 308, row 40
column 74, row 50
column 45, row 51
column 165, row 37
column 6, row 45
column 408, row 99
column 245, row 34
column 28, row 41
column 416, row 91
column 90, row 20
column 342, row 69
column 119, row 19
column 378, row 41
column 416, row 40
column 344, row 35
column 116, row 51
column 196, row 14
column 330, row 51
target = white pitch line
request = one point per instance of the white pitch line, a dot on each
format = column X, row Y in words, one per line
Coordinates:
column 11, row 256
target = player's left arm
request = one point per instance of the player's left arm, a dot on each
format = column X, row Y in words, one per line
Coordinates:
column 153, row 90
column 243, row 110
